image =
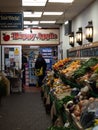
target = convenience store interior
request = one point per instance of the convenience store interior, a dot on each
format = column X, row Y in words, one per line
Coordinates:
column 68, row 98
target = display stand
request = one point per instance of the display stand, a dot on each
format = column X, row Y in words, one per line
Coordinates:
column 15, row 78
column 15, row 84
column 32, row 58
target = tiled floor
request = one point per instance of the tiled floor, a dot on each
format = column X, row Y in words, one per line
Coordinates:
column 24, row 111
column 32, row 89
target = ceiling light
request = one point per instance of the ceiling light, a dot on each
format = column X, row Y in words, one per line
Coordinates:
column 79, row 36
column 27, row 22
column 25, row 26
column 35, row 22
column 37, row 27
column 66, row 22
column 89, row 31
column 71, row 39
column 34, row 2
column 32, row 14
column 61, row 1
column 52, row 13
column 47, row 21
column 31, row 22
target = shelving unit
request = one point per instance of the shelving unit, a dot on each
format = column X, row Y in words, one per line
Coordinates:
column 32, row 52
column 32, row 57
column 86, row 50
column 74, row 81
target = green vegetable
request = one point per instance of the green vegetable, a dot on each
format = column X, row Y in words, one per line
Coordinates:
column 85, row 67
column 59, row 103
column 70, row 127
column 67, row 98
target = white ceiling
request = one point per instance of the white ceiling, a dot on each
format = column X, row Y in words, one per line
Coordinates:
column 70, row 10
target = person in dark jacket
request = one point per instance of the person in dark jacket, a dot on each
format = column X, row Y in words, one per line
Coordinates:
column 40, row 62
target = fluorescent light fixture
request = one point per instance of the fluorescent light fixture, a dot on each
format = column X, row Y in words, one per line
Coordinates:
column 66, row 22
column 34, row 2
column 35, row 22
column 31, row 22
column 47, row 22
column 61, row 1
column 37, row 27
column 25, row 26
column 27, row 22
column 32, row 14
column 52, row 13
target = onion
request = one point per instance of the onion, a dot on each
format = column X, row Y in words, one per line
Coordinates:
column 71, row 109
column 77, row 107
column 78, row 118
column 80, row 104
column 91, row 99
column 85, row 102
column 76, row 113
column 96, row 99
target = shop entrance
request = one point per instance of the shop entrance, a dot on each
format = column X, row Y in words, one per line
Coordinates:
column 31, row 53
column 50, row 55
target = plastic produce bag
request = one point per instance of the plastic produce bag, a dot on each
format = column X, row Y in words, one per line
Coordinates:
column 89, row 114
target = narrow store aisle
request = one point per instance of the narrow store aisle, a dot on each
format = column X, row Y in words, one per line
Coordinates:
column 23, row 111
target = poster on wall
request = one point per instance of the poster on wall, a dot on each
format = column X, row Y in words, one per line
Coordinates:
column 47, row 53
column 11, row 57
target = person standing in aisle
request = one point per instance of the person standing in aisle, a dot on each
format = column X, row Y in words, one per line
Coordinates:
column 40, row 68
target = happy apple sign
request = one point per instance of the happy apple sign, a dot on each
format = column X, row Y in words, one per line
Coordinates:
column 6, row 37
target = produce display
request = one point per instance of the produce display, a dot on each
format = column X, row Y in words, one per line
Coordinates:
column 61, row 128
column 78, row 103
column 61, row 63
column 4, row 85
column 71, row 68
column 85, row 67
column 59, row 88
column 85, row 112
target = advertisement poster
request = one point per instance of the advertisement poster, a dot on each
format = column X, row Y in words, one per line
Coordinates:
column 11, row 57
column 11, row 21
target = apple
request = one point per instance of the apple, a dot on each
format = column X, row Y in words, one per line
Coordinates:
column 6, row 37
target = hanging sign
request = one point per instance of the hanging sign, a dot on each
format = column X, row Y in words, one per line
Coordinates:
column 37, row 37
column 11, row 21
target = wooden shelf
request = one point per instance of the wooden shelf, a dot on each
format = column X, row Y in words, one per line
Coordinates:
column 86, row 50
